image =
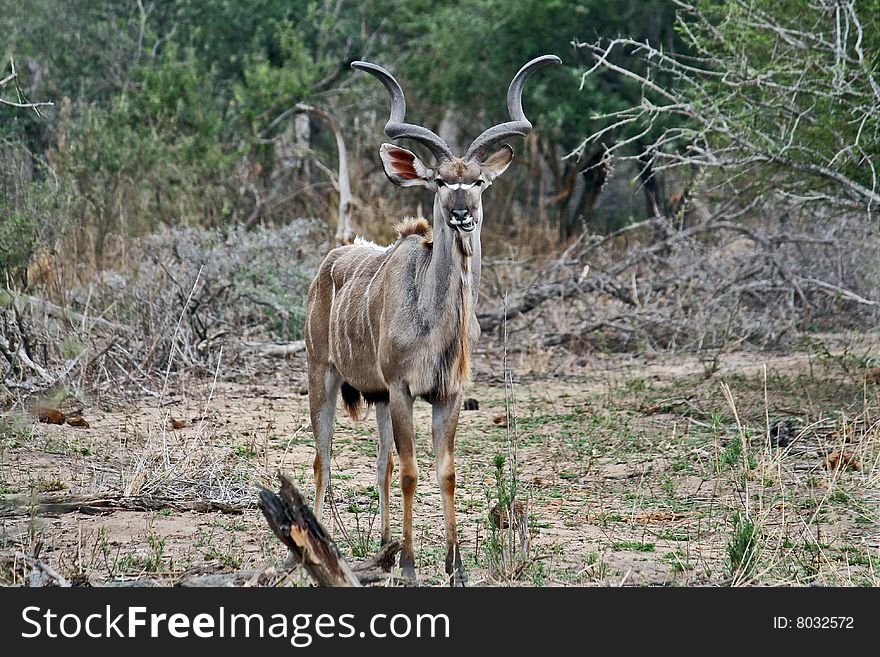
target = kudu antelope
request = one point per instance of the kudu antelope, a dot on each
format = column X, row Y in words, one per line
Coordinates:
column 388, row 324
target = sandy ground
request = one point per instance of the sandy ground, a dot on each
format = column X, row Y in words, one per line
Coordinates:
column 625, row 466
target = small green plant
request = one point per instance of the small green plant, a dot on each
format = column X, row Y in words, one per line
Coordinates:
column 102, row 548
column 637, row 546
column 733, row 457
column 536, row 573
column 154, row 560
column 244, row 451
column 674, row 535
column 595, row 566
column 361, row 540
column 507, row 545
column 226, row 558
column 809, row 559
column 636, row 385
column 731, row 454
column 742, row 549
column 679, row 561
column 716, row 422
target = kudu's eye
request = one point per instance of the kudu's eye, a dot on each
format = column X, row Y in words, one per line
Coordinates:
column 440, row 182
column 479, row 182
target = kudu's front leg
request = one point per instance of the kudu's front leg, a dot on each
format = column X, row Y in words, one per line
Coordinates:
column 443, row 425
column 384, row 468
column 400, row 404
column 324, row 382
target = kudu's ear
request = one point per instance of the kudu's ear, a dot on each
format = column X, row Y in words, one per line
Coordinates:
column 403, row 167
column 497, row 163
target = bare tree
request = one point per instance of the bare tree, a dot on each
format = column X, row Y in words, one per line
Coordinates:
column 344, row 226
column 769, row 98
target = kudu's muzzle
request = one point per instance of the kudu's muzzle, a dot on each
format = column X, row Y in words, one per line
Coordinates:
column 462, row 219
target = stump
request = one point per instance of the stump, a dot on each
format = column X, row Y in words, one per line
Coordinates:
column 310, row 544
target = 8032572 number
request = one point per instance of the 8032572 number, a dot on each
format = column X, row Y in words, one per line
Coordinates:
column 823, row 623
column 814, row 623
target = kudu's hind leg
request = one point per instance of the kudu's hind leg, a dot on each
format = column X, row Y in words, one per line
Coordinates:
column 384, row 468
column 400, row 405
column 444, row 421
column 324, row 385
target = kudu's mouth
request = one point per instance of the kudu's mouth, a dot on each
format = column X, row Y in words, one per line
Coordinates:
column 464, row 224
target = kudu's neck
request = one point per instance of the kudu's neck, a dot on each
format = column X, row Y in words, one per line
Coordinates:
column 455, row 261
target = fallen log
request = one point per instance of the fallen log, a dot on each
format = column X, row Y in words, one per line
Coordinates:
column 241, row 578
column 310, row 544
column 523, row 302
column 276, row 349
column 98, row 504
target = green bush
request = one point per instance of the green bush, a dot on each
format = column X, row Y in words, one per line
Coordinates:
column 17, row 240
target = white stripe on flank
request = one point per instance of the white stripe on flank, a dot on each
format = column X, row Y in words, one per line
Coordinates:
column 337, row 305
column 368, row 304
column 348, row 319
column 333, row 282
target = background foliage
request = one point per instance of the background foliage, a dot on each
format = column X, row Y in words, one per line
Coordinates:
column 184, row 115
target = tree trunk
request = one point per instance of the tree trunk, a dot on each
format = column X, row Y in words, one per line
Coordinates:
column 297, row 527
column 344, row 226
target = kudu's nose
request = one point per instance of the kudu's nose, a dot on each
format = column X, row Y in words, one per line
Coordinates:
column 462, row 220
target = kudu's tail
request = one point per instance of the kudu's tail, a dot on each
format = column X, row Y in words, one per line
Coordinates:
column 353, row 402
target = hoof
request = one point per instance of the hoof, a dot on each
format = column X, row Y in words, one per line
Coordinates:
column 458, row 579
column 408, row 575
column 408, row 570
column 454, row 568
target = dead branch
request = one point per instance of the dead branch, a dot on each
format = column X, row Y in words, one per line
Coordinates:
column 276, row 349
column 725, row 279
column 63, row 314
column 528, row 300
column 98, row 504
column 41, row 574
column 267, row 576
column 377, row 567
column 296, row 526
